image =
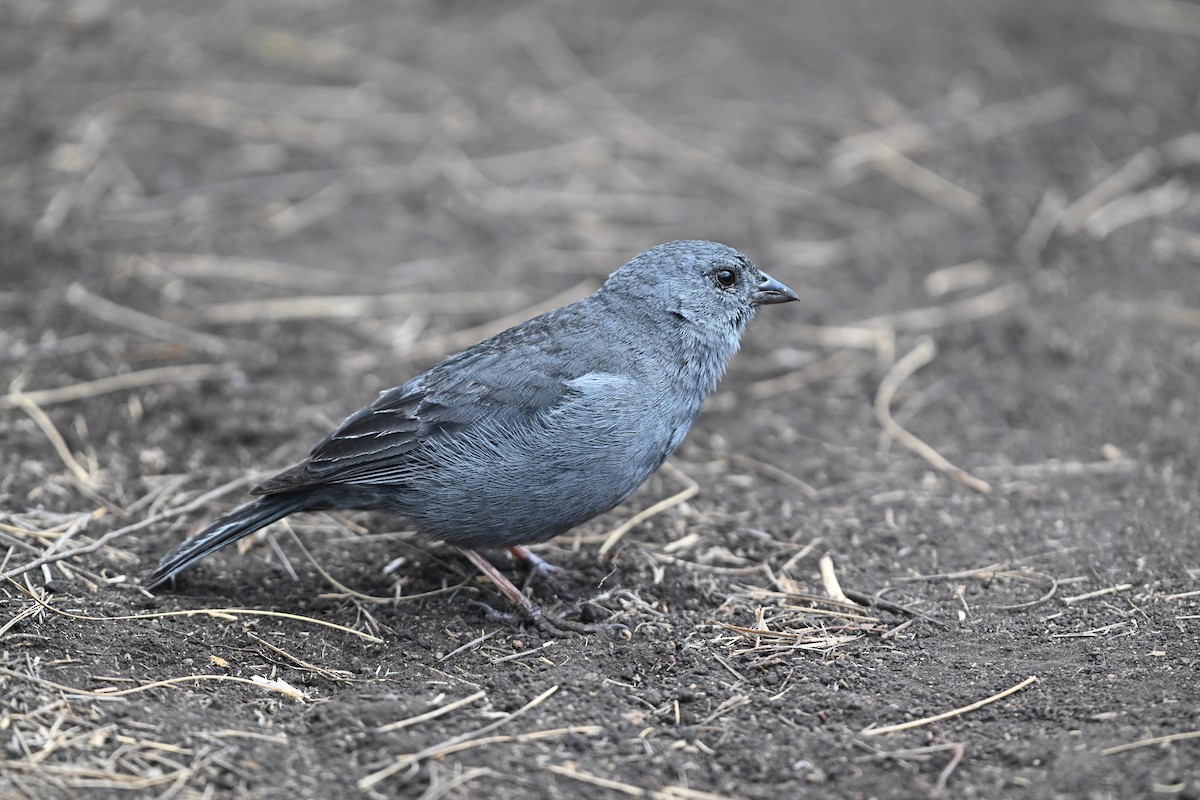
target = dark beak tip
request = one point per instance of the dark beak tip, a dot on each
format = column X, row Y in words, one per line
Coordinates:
column 771, row 291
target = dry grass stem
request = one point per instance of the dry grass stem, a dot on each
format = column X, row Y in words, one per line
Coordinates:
column 1151, row 742
column 156, row 376
column 228, row 614
column 139, row 322
column 1124, row 211
column 790, row 621
column 1051, row 469
column 443, row 748
column 336, row 675
column 59, row 444
column 928, row 184
column 692, row 488
column 1137, row 170
column 345, row 591
column 353, row 307
column 919, row 753
column 980, row 306
column 959, row 752
column 774, row 473
column 200, row 501
column 1167, row 16
column 1175, row 154
column 1042, row 224
column 836, row 363
column 438, row 791
column 667, row 793
column 109, row 692
column 561, row 65
column 478, row 640
column 205, row 266
column 21, row 353
column 958, row 277
column 434, row 714
column 1079, row 598
column 922, row 354
column 1171, row 315
column 916, row 723
column 830, row 581
column 856, row 152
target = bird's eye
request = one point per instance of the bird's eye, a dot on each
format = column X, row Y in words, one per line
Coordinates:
column 725, row 278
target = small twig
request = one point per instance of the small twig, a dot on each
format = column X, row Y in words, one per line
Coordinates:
column 829, row 580
column 668, row 793
column 939, row 788
column 476, row 641
column 434, row 714
column 916, row 723
column 927, row 183
column 119, row 383
column 109, row 692
column 1032, row 603
column 920, row 355
column 1051, row 469
column 928, row 318
column 70, row 345
column 442, row 789
column 329, row 674
column 775, row 473
column 44, row 422
column 1138, row 169
column 202, row 500
column 871, row 601
column 1098, row 593
column 219, row 613
column 148, row 325
column 403, row 762
column 1170, row 737
column 910, row 752
column 837, row 363
column 313, row 307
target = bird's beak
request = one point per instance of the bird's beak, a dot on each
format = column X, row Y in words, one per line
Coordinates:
column 771, row 291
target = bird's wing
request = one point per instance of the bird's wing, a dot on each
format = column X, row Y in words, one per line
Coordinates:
column 507, row 381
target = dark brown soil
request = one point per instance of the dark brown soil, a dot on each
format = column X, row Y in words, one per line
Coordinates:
column 989, row 206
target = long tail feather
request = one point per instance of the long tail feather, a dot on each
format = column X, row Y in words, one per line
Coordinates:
column 242, row 521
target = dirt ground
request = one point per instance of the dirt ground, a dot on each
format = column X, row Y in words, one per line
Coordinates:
column 224, row 227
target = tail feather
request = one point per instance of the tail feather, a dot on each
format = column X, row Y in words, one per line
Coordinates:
column 242, row 521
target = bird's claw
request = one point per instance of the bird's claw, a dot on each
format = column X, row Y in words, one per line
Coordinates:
column 557, row 626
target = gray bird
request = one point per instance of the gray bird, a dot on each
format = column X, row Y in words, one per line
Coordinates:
column 534, row 430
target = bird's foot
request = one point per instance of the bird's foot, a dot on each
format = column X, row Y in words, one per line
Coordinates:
column 536, row 565
column 528, row 610
column 557, row 626
column 532, row 561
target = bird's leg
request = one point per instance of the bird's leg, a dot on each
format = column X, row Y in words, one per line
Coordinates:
column 527, row 607
column 505, row 586
column 532, row 561
column 536, row 565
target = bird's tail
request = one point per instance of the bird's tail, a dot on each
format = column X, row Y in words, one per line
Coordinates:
column 242, row 521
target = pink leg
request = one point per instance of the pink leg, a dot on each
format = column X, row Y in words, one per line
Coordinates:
column 532, row 561
column 503, row 584
column 556, row 627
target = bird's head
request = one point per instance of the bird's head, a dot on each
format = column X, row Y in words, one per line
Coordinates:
column 704, row 283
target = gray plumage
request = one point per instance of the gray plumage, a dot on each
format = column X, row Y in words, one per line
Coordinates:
column 539, row 428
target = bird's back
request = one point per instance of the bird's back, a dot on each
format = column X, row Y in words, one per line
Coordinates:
column 522, row 436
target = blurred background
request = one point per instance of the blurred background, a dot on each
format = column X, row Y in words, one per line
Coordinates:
column 224, row 226
column 351, row 191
